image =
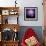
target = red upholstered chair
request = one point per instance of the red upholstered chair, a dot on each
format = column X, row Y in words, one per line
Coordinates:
column 28, row 34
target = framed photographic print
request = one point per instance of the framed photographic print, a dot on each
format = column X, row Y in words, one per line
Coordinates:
column 13, row 12
column 5, row 12
column 31, row 13
column 12, row 20
column 5, row 19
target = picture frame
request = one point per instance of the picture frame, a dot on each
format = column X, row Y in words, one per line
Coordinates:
column 5, row 12
column 10, row 20
column 30, row 13
column 13, row 12
column 5, row 20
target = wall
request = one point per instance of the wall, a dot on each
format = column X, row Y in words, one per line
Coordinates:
column 31, row 3
column 26, row 3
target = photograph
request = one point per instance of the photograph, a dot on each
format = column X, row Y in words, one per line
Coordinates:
column 31, row 13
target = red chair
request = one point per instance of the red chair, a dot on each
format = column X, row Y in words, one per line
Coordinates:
column 29, row 33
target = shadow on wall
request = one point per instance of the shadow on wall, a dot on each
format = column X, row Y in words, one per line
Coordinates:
column 37, row 29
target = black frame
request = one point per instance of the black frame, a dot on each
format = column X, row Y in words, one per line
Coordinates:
column 36, row 14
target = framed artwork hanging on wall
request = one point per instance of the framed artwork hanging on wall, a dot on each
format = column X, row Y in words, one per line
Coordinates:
column 30, row 13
